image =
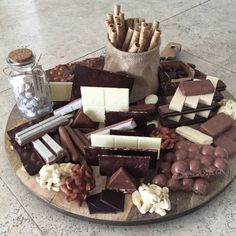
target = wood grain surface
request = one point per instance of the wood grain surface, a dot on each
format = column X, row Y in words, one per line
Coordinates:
column 182, row 202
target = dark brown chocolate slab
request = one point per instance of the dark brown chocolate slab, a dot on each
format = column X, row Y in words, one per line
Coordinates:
column 217, row 124
column 113, row 199
column 130, row 132
column 137, row 165
column 140, row 118
column 86, row 76
column 165, row 112
column 91, row 154
column 149, row 108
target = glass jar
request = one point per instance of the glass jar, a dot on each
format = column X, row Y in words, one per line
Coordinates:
column 30, row 87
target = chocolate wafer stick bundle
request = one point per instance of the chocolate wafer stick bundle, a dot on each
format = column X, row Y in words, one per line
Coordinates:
column 132, row 35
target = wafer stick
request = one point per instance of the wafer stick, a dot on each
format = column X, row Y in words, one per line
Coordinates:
column 129, row 23
column 116, row 10
column 134, row 48
column 113, row 37
column 155, row 39
column 127, row 39
column 110, row 17
column 135, row 38
column 144, row 37
column 155, row 26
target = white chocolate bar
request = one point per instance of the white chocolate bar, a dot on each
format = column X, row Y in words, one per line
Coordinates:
column 122, row 141
column 53, row 145
column 97, row 100
column 43, row 151
column 177, row 101
column 204, row 114
column 190, row 116
column 175, row 118
column 68, row 108
column 127, row 124
column 191, row 101
column 194, row 135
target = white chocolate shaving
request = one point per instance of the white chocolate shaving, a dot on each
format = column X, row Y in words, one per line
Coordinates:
column 228, row 107
column 152, row 198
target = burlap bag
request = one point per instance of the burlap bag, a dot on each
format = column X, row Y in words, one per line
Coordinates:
column 143, row 66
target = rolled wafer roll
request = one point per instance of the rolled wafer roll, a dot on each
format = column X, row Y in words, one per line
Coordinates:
column 127, row 39
column 155, row 39
column 144, row 40
column 155, row 26
column 135, row 38
column 113, row 37
column 117, row 20
column 129, row 23
column 120, row 35
column 110, row 17
column 134, row 48
column 122, row 17
column 141, row 20
column 116, row 10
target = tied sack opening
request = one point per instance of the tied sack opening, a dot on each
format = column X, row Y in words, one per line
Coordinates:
column 143, row 66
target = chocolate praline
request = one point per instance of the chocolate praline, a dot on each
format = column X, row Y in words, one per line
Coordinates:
column 179, row 167
column 195, row 148
column 182, row 144
column 221, row 152
column 207, row 150
column 220, row 163
column 195, row 165
column 181, row 154
column 160, row 180
column 207, row 160
column 187, row 184
column 174, row 184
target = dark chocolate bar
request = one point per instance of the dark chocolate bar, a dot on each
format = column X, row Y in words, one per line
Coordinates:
column 137, row 165
column 217, row 124
column 227, row 143
column 198, row 87
column 86, row 76
column 149, row 108
column 140, row 118
column 165, row 112
column 122, row 181
column 131, row 132
column 91, row 154
column 113, row 199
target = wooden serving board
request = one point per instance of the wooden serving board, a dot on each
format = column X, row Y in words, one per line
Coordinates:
column 182, row 202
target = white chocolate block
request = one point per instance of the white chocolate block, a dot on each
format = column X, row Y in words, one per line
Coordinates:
column 96, row 114
column 190, row 116
column 177, row 101
column 116, row 97
column 92, row 96
column 175, row 118
column 53, row 144
column 70, row 107
column 191, row 101
column 204, row 114
column 114, row 108
column 102, row 140
column 149, row 143
column 125, row 141
column 194, row 135
column 60, row 91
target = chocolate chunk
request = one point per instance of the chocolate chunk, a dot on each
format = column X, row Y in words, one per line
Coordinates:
column 227, row 143
column 86, row 76
column 122, row 181
column 91, row 154
column 82, row 121
column 217, row 125
column 136, row 165
column 95, row 205
column 113, row 199
column 193, row 88
column 140, row 118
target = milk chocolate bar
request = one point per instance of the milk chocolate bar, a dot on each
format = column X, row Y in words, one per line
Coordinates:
column 136, row 165
column 140, row 118
column 85, row 76
column 231, row 133
column 91, row 154
column 217, row 125
column 227, row 143
column 122, row 181
column 165, row 111
column 193, row 88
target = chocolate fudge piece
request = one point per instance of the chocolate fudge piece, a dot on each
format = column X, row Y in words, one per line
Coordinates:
column 122, row 181
column 91, row 154
column 137, row 165
column 86, row 76
column 217, row 125
column 113, row 199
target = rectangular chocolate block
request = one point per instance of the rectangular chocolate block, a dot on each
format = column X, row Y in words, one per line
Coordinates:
column 140, row 118
column 165, row 112
column 227, row 143
column 136, row 165
column 193, row 88
column 91, row 154
column 217, row 125
column 231, row 133
column 85, row 76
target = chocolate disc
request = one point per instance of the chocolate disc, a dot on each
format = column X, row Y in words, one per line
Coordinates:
column 160, row 180
column 179, row 167
column 201, row 186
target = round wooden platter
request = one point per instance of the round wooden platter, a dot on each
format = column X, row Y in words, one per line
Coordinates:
column 182, row 202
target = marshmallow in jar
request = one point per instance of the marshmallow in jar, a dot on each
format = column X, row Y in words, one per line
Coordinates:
column 29, row 84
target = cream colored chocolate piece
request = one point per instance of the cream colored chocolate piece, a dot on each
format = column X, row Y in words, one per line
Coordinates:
column 191, row 101
column 175, row 118
column 56, row 148
column 204, row 114
column 194, row 135
column 122, row 141
column 60, row 91
column 52, row 176
column 97, row 100
column 123, row 125
column 228, row 107
column 177, row 101
column 190, row 116
column 152, row 198
column 151, row 99
column 68, row 108
column 43, row 151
